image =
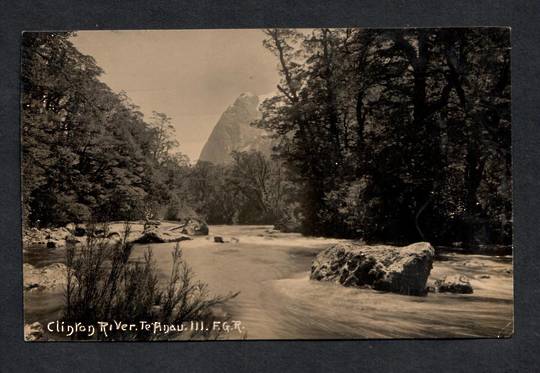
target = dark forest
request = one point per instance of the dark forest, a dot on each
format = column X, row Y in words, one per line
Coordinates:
column 382, row 135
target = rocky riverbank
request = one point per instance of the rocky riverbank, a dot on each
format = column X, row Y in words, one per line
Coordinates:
column 139, row 232
column 271, row 271
column 53, row 277
column 404, row 270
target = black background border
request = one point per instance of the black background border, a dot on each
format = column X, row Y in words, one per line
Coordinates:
column 519, row 354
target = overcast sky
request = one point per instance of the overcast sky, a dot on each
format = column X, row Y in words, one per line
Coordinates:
column 191, row 75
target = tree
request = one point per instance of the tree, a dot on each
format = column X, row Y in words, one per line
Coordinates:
column 87, row 151
column 395, row 135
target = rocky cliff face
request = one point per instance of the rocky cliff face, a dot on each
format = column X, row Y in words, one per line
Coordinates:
column 233, row 132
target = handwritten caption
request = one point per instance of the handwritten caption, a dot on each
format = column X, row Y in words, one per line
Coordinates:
column 156, row 327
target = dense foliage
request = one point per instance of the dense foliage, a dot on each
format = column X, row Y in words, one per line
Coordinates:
column 87, row 152
column 251, row 190
column 385, row 135
column 396, row 135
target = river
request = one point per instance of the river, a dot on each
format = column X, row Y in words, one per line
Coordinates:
column 278, row 301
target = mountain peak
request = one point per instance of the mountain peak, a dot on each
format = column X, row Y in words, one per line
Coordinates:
column 246, row 99
column 234, row 132
column 247, row 94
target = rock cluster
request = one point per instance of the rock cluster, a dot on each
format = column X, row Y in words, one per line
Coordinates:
column 56, row 237
column 48, row 237
column 192, row 227
column 403, row 270
column 155, row 234
column 459, row 284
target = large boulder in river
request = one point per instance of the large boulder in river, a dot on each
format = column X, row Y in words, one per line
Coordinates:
column 403, row 270
column 154, row 234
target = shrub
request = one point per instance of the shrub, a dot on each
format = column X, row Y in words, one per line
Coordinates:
column 103, row 284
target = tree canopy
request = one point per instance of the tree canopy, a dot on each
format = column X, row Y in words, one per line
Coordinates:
column 396, row 135
column 87, row 151
column 387, row 135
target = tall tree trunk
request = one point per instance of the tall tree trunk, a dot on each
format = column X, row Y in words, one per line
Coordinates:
column 331, row 100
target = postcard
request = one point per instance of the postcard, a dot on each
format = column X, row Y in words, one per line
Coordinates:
column 274, row 184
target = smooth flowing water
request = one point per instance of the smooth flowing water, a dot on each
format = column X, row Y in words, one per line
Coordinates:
column 278, row 301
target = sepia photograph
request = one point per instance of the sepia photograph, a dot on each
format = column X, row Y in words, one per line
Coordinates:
column 266, row 184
